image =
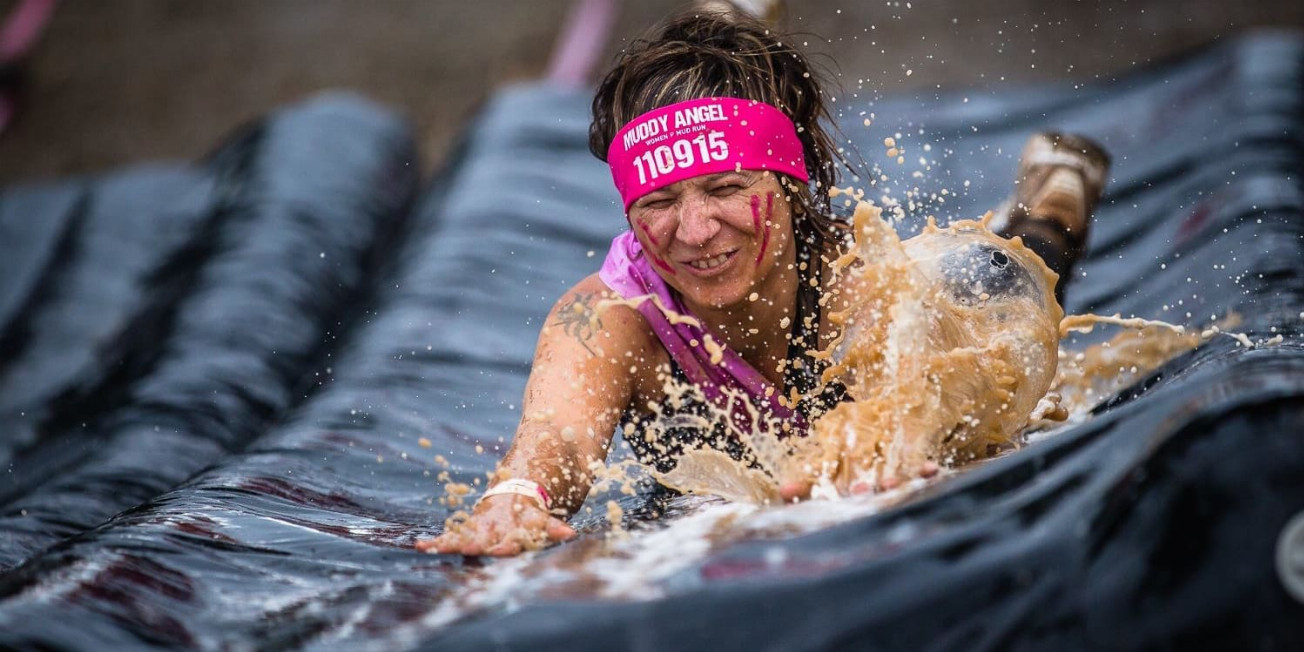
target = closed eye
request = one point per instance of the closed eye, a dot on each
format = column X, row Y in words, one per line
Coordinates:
column 657, row 202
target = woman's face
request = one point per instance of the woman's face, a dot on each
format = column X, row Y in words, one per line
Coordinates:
column 716, row 238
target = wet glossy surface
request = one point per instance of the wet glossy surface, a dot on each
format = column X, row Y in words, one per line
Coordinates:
column 226, row 385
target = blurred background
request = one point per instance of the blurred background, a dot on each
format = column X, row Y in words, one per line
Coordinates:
column 120, row 81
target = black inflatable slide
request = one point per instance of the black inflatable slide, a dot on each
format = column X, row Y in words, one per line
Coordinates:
column 223, row 386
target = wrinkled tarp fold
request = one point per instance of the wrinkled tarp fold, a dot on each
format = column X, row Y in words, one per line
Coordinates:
column 224, row 386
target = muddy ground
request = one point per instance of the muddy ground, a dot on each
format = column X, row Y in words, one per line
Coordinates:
column 120, row 81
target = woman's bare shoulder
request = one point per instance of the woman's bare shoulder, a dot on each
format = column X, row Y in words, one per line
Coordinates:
column 591, row 308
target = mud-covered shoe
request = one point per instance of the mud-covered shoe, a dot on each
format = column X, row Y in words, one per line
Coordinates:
column 1060, row 180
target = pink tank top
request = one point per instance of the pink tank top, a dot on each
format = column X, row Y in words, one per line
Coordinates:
column 629, row 274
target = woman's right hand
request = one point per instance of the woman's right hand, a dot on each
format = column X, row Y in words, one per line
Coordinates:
column 501, row 526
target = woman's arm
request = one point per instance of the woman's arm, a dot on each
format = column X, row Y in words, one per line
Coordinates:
column 586, row 367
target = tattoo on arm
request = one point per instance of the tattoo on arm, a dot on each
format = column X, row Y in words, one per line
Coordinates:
column 579, row 319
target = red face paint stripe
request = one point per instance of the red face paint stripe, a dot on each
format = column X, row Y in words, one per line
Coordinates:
column 662, row 264
column 648, row 232
column 769, row 213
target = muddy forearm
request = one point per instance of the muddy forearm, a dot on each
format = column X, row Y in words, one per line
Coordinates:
column 542, row 454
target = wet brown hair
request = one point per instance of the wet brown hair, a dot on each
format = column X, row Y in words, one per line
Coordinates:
column 701, row 53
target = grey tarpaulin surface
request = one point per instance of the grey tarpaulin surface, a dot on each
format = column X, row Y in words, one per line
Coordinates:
column 215, row 379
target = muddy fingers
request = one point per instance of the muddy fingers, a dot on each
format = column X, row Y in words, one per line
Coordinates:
column 502, row 525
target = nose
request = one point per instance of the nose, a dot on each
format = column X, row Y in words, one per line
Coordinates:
column 697, row 223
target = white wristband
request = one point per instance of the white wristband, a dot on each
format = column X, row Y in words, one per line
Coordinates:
column 521, row 487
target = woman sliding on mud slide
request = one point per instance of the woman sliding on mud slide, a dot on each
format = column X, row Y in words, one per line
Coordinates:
column 737, row 314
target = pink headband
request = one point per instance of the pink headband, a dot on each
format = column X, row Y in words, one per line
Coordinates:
column 706, row 136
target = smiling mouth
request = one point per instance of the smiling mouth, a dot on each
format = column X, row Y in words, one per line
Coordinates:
column 710, row 263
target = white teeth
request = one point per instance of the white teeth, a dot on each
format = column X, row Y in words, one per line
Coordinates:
column 709, row 263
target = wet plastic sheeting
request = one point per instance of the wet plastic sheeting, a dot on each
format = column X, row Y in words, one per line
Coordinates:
column 178, row 312
column 310, row 526
column 87, row 248
column 292, row 392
